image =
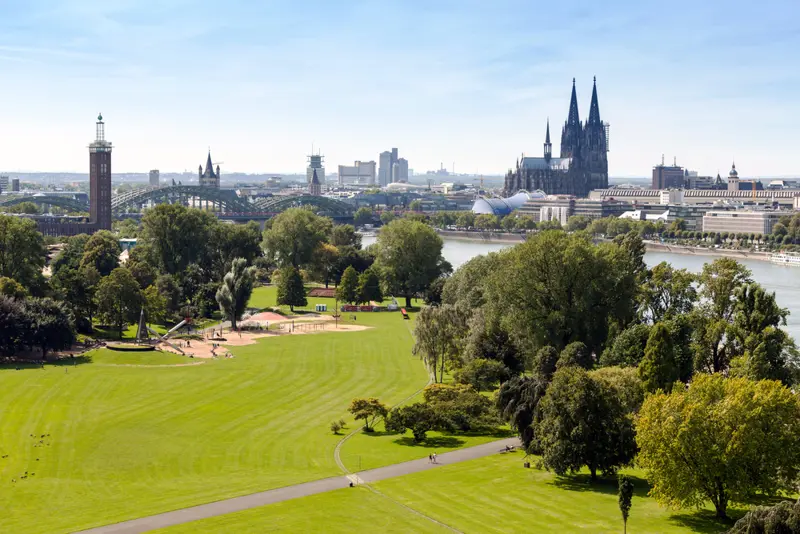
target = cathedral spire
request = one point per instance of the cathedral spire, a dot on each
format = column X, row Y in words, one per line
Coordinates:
column 594, row 109
column 209, row 165
column 548, row 147
column 573, row 119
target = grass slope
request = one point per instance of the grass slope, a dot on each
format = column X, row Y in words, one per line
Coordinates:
column 492, row 494
column 127, row 442
column 345, row 510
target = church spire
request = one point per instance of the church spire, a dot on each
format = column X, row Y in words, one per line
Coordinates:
column 573, row 119
column 594, row 109
column 548, row 147
column 209, row 165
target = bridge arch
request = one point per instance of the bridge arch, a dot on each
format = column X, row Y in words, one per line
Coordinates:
column 65, row 202
column 325, row 205
column 227, row 200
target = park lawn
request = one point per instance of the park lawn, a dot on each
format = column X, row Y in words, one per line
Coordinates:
column 346, row 510
column 123, row 442
column 154, row 357
column 492, row 494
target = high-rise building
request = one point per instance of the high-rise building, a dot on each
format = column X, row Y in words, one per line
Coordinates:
column 668, row 177
column 385, row 169
column 315, row 163
column 4, row 183
column 362, row 172
column 403, row 170
column 15, row 184
column 207, row 178
column 100, row 179
column 387, row 173
column 155, row 178
column 583, row 165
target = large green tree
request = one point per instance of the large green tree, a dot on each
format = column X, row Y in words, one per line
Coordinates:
column 294, row 235
column 177, row 236
column 369, row 286
column 235, row 291
column 22, row 252
column 438, row 338
column 231, row 241
column 119, row 299
column 722, row 440
column 409, row 255
column 628, row 347
column 518, row 402
column 667, row 292
column 49, row 325
column 348, row 286
column 658, row 369
column 291, row 291
column 101, row 251
column 11, row 288
column 583, row 424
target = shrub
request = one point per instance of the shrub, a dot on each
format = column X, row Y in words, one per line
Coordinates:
column 483, row 374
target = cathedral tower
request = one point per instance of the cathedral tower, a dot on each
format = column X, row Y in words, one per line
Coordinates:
column 548, row 146
column 571, row 134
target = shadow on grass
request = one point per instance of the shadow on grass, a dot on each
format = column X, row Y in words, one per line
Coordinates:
column 441, row 442
column 704, row 521
column 63, row 362
column 609, row 485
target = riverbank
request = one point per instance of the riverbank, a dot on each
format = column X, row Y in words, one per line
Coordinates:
column 482, row 237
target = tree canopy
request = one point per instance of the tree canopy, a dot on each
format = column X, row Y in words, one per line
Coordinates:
column 235, row 290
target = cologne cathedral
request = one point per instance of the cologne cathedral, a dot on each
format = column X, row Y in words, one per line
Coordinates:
column 583, row 164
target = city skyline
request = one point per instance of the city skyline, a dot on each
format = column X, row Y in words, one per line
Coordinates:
column 454, row 82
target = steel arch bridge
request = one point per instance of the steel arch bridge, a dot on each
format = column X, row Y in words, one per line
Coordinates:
column 227, row 200
column 326, row 206
column 67, row 203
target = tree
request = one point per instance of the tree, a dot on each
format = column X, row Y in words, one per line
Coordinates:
column 583, row 423
column 119, row 299
column 419, row 417
column 433, row 294
column 235, row 291
column 102, row 252
column 11, row 288
column 658, row 370
column 488, row 341
column 370, row 410
column 628, row 347
column 483, row 374
column 626, row 384
column 49, row 324
column 28, row 208
column 362, row 216
column 783, row 518
column 712, row 318
column 22, row 252
column 155, row 305
column 348, row 286
column 667, row 292
column 409, row 254
column 465, row 219
column 71, row 254
column 722, row 440
column 231, row 241
column 77, row 288
column 295, row 235
column 172, row 294
column 178, row 236
column 578, row 222
column 345, row 235
column 14, row 327
column 576, row 354
column 416, row 205
column 508, row 223
column 468, row 284
column 438, row 336
column 460, row 408
column 544, row 363
column 486, row 221
column 369, row 286
column 518, row 403
column 326, row 259
column 291, row 291
column 624, row 496
column 386, row 217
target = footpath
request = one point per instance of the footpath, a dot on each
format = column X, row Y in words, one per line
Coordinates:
column 255, row 500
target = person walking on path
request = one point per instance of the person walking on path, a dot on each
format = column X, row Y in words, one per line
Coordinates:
column 434, row 457
column 430, row 458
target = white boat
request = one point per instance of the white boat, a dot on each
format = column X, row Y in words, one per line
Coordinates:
column 786, row 258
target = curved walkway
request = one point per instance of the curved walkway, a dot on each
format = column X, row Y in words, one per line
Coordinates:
column 255, row 500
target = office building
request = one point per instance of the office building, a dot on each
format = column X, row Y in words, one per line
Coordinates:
column 668, row 177
column 100, row 179
column 207, row 178
column 741, row 221
column 3, row 183
column 402, row 170
column 361, row 172
column 155, row 178
column 387, row 173
column 15, row 184
column 315, row 164
column 385, row 168
column 583, row 162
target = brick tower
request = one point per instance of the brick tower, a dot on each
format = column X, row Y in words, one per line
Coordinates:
column 100, row 179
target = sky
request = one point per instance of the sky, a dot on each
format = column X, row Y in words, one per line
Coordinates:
column 465, row 82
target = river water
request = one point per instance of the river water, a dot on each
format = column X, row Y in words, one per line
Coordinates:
column 784, row 281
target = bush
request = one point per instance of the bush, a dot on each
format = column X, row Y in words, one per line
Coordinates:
column 483, row 374
column 336, row 426
column 782, row 518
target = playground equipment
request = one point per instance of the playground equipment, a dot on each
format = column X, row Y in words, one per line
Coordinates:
column 143, row 331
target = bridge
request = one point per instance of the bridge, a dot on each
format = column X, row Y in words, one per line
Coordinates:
column 225, row 204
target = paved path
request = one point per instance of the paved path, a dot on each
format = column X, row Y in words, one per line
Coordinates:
column 254, row 500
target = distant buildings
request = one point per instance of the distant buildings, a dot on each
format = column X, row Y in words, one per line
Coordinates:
column 207, row 178
column 393, row 169
column 4, row 183
column 315, row 162
column 314, row 187
column 583, row 165
column 155, row 178
column 741, row 221
column 15, row 184
column 668, row 177
column 361, row 172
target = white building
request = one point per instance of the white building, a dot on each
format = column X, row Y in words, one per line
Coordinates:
column 361, row 172
column 741, row 221
column 671, row 196
column 385, row 170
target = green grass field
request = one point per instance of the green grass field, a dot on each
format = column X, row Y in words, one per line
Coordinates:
column 128, row 441
column 493, row 494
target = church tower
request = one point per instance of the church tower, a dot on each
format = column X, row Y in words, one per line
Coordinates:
column 595, row 144
column 548, row 146
column 315, row 188
column 571, row 134
column 100, row 178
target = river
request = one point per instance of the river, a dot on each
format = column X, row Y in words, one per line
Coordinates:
column 784, row 281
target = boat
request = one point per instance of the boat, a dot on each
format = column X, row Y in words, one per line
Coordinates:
column 786, row 258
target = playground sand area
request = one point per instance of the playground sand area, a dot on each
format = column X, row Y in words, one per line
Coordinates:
column 212, row 346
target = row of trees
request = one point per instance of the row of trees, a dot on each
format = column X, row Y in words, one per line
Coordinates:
column 28, row 323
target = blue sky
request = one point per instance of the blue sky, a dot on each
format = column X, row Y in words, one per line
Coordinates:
column 470, row 82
